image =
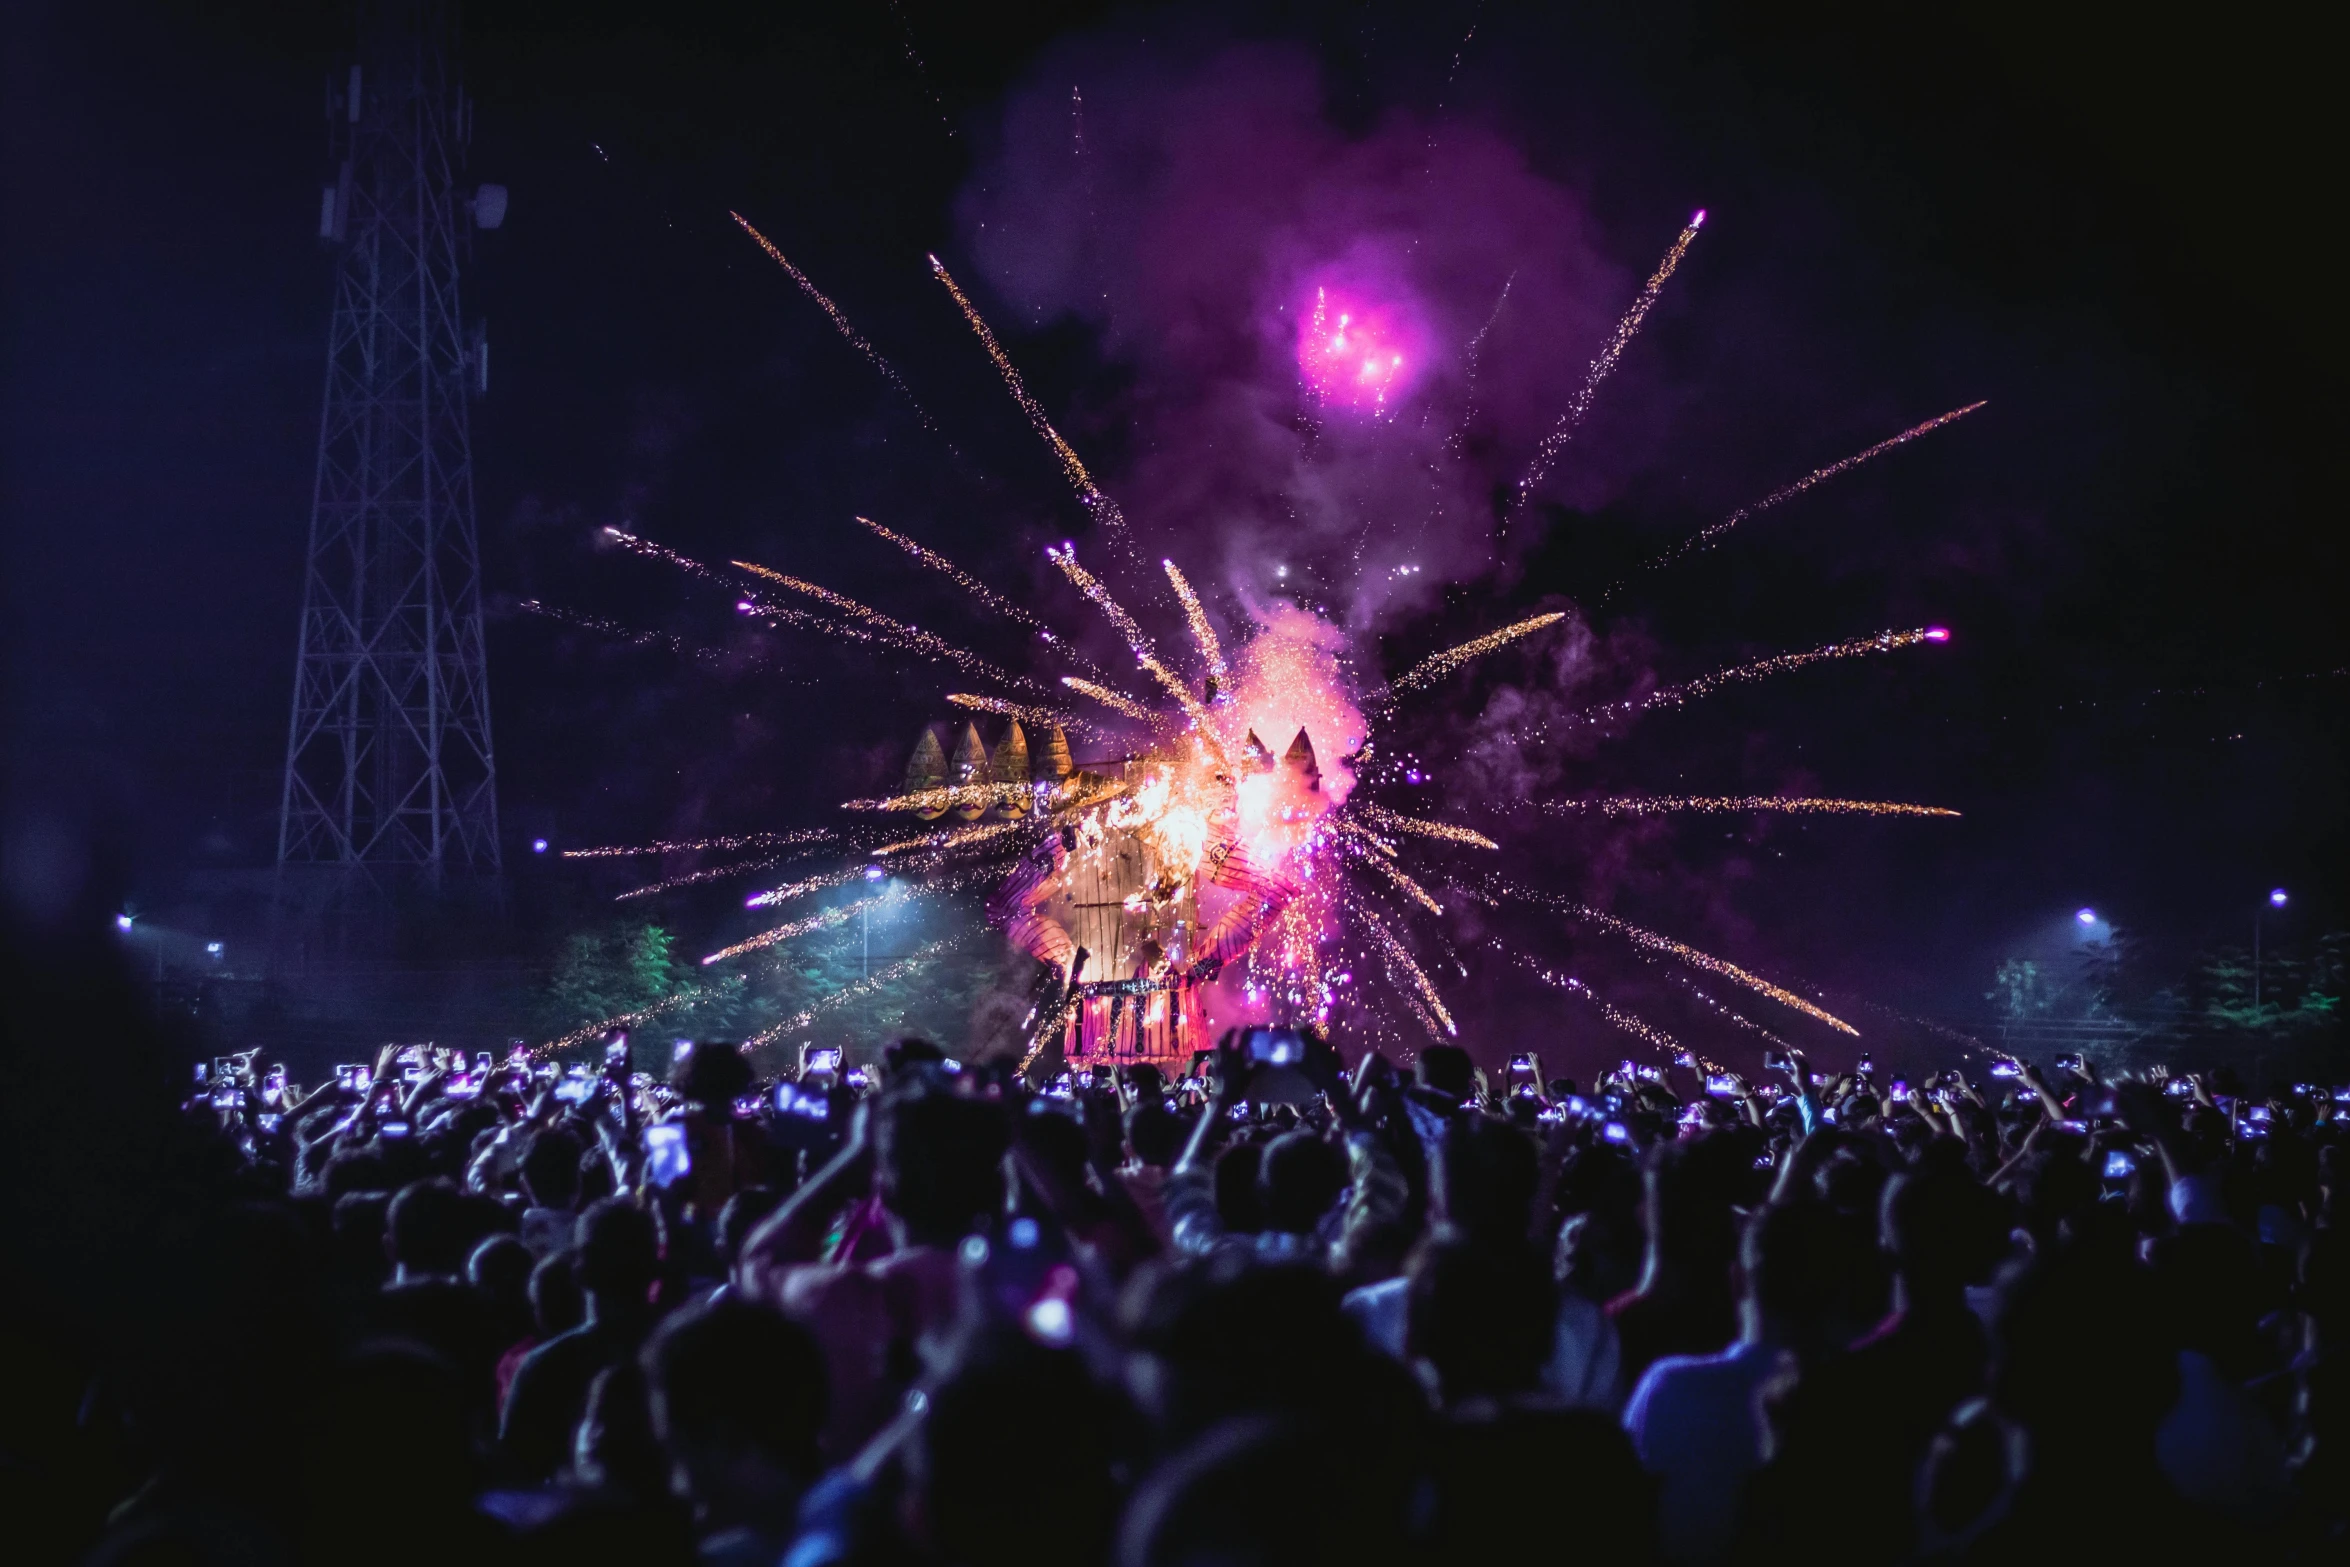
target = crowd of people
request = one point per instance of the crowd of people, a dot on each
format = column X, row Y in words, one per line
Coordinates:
column 1281, row 1308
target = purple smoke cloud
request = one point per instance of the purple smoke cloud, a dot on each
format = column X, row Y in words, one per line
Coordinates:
column 1211, row 209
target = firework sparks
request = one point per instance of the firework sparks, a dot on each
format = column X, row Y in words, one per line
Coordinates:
column 609, row 628
column 855, row 990
column 777, row 613
column 1761, row 669
column 945, row 798
column 912, row 638
column 1203, row 635
column 1639, row 936
column 1436, row 666
column 1674, row 804
column 951, row 839
column 1705, row 539
column 698, row 878
column 1395, row 875
column 1639, row 1028
column 840, row 323
column 587, row 1031
column 1114, row 700
column 799, row 889
column 1626, row 329
column 801, row 927
column 1042, row 717
column 1469, row 360
column 1090, row 493
column 1399, row 957
column 740, row 843
column 987, row 596
column 1734, row 1018
column 1145, row 654
column 1445, row 832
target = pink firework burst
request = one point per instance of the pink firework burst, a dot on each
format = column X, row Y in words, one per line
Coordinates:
column 1355, row 350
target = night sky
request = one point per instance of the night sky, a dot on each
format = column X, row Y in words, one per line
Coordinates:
column 2111, row 233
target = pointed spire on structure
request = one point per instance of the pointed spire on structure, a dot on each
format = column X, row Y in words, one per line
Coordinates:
column 969, row 767
column 1258, row 754
column 1050, row 763
column 1011, row 765
column 927, row 768
column 1300, row 759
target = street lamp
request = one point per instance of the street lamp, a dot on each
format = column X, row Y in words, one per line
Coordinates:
column 2276, row 900
column 865, row 923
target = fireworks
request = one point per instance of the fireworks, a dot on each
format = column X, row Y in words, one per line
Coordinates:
column 1435, row 667
column 840, row 323
column 1639, row 1028
column 1203, row 635
column 782, row 933
column 1664, row 804
column 983, row 593
column 932, row 801
column 1043, row 717
column 1446, row 832
column 1399, row 957
column 950, row 839
column 912, row 638
column 1762, row 668
column 1372, row 852
column 798, row 889
column 1239, row 793
column 1116, row 701
column 587, row 1031
column 697, row 878
column 1144, row 653
column 1626, row 329
column 1071, row 466
column 1728, row 1015
column 1353, row 354
column 1705, row 539
column 1641, row 937
column 739, row 843
column 856, row 990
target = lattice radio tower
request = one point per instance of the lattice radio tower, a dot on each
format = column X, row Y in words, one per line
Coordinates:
column 389, row 773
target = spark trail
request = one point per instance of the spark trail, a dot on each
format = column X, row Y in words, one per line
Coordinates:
column 1042, row 717
column 1372, row 852
column 1446, row 832
column 840, row 324
column 800, row 889
column 781, row 614
column 1706, row 538
column 1437, row 665
column 1145, row 653
column 1674, row 804
column 945, row 798
column 1728, row 1015
column 1398, row 957
column 1640, row 936
column 1639, row 1028
column 1760, row 669
column 697, row 878
column 1114, row 700
column 733, row 845
column 587, row 1031
column 987, row 596
column 785, row 932
column 912, row 639
column 1203, row 635
column 1072, row 466
column 1620, row 339
column 950, row 839
column 879, row 979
